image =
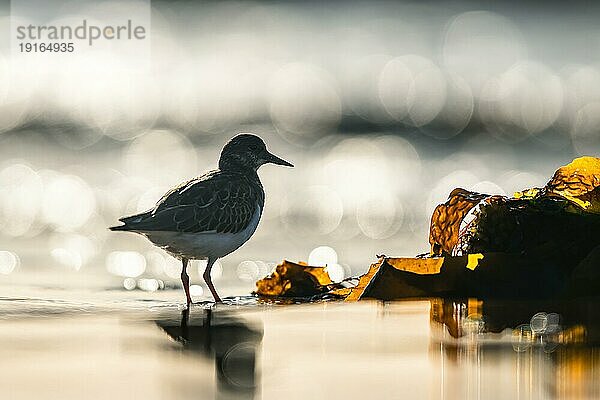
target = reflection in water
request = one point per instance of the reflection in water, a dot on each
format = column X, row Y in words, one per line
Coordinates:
column 430, row 349
column 553, row 352
column 232, row 343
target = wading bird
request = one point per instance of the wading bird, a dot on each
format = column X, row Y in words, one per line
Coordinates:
column 212, row 215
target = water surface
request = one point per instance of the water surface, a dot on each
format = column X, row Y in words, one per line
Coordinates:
column 70, row 345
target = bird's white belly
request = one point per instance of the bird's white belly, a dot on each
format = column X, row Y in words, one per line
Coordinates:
column 205, row 244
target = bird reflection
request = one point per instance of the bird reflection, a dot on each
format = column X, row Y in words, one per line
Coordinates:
column 226, row 339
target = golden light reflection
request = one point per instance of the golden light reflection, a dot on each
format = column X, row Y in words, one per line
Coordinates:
column 545, row 360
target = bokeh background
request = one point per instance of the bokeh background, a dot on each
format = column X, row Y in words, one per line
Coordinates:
column 383, row 107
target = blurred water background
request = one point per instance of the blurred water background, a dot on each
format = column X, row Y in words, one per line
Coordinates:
column 383, row 107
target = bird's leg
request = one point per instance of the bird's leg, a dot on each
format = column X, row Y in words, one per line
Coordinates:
column 208, row 281
column 185, row 279
column 185, row 317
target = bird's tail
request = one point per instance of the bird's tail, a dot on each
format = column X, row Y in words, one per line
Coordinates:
column 129, row 222
column 119, row 228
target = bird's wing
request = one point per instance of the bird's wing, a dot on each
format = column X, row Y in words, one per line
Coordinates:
column 215, row 202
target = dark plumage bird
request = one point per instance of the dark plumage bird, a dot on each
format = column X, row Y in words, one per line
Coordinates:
column 212, row 215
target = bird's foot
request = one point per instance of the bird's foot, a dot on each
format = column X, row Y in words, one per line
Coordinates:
column 205, row 304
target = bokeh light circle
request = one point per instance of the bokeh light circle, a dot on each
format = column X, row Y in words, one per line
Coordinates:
column 129, row 264
column 68, row 201
column 585, row 133
column 9, row 261
column 322, row 256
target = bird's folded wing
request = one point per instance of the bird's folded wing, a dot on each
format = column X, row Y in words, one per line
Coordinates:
column 211, row 205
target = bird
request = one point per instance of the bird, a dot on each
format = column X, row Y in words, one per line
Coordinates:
column 210, row 216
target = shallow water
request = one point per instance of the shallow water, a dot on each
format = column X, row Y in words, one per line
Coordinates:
column 66, row 345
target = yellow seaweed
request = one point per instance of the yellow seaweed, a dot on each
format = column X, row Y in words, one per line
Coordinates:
column 294, row 280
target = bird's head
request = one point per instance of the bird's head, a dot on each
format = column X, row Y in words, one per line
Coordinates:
column 247, row 151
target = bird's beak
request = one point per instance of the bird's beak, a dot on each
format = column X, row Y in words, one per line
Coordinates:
column 273, row 159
